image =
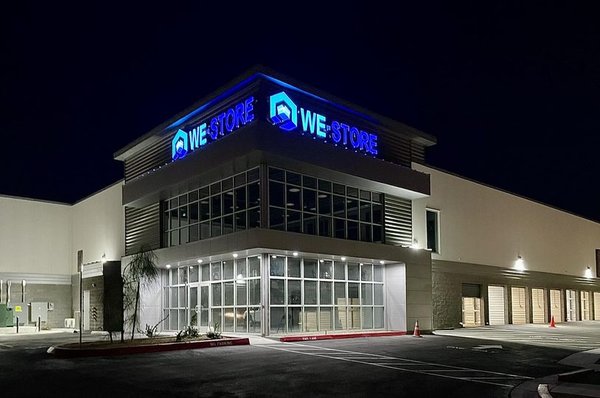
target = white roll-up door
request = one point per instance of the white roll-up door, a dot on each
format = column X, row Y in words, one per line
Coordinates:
column 538, row 305
column 571, row 299
column 519, row 305
column 596, row 306
column 496, row 305
column 585, row 306
column 555, row 305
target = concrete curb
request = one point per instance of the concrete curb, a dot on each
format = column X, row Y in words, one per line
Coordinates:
column 76, row 352
column 290, row 339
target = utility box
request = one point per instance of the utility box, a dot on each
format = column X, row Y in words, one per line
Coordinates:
column 21, row 311
column 6, row 316
column 39, row 309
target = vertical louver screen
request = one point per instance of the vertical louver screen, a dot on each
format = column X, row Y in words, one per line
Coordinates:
column 398, row 221
column 142, row 227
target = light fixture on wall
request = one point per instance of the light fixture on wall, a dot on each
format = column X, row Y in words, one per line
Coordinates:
column 235, row 255
column 295, row 254
column 103, row 258
column 520, row 264
column 415, row 244
column 588, row 273
column 199, row 261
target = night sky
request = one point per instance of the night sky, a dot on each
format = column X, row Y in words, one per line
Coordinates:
column 511, row 92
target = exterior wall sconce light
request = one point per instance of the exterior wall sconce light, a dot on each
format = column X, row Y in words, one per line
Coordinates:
column 520, row 264
column 588, row 273
column 103, row 258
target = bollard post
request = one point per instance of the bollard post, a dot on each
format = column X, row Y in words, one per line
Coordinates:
column 39, row 325
column 17, row 325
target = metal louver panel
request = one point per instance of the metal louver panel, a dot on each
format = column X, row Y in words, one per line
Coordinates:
column 398, row 221
column 142, row 227
column 156, row 155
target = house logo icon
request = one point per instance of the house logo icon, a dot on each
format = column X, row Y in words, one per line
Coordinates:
column 283, row 112
column 179, row 145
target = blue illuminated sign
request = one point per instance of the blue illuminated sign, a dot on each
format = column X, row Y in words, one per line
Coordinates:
column 226, row 122
column 283, row 112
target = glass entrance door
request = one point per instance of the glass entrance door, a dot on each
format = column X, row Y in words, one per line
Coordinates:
column 198, row 306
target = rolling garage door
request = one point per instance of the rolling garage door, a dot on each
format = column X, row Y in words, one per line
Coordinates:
column 519, row 306
column 538, row 305
column 496, row 305
column 597, row 306
column 584, row 298
column 555, row 305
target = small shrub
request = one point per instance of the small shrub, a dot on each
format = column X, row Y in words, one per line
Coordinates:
column 214, row 333
column 189, row 332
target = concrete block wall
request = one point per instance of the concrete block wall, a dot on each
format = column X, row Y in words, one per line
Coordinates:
column 447, row 300
column 60, row 295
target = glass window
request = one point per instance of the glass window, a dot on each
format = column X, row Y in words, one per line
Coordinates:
column 340, row 270
column 339, row 189
column 228, row 202
column 378, row 273
column 366, row 293
column 324, row 203
column 310, row 292
column 365, row 232
column 367, row 318
column 325, row 226
column 310, row 224
column 339, row 228
column 240, row 198
column 340, row 293
column 228, row 293
column 309, row 182
column 365, row 211
column 205, row 272
column 352, row 230
column 240, row 221
column 215, row 206
column 254, row 218
column 253, row 194
column 254, row 291
column 353, row 272
column 239, row 180
column 326, row 290
column 294, row 292
column 216, row 294
column 293, row 178
column 309, row 200
column 294, row 221
column 240, row 268
column 324, row 185
column 216, row 271
column 353, row 192
column 276, row 174
column 253, row 266
column 215, row 188
column 339, row 206
column 228, row 269
column 293, row 267
column 215, row 227
column 227, row 184
column 325, row 271
column 277, row 266
column 276, row 194
column 433, row 230
column 378, row 294
column 377, row 213
column 193, row 274
column 293, row 197
column 276, row 218
column 277, row 292
column 310, row 268
column 366, row 272
column 227, row 225
column 352, row 209
column 365, row 195
column 253, row 174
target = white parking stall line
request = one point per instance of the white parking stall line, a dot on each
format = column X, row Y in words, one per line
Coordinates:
column 408, row 365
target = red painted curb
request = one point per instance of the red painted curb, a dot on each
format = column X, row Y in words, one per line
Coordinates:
column 66, row 352
column 289, row 339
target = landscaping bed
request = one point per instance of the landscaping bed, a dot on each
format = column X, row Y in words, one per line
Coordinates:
column 140, row 346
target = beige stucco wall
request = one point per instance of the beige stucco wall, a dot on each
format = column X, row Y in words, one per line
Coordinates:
column 35, row 236
column 98, row 226
column 482, row 225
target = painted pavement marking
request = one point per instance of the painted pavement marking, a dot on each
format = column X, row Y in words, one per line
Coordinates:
column 405, row 365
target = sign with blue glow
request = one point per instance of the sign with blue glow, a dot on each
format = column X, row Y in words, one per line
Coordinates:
column 226, row 122
column 283, row 112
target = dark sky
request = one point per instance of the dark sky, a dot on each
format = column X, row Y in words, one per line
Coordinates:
column 511, row 91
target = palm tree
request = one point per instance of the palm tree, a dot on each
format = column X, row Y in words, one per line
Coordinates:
column 141, row 269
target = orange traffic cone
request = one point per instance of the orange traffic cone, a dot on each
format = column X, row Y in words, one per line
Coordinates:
column 552, row 324
column 417, row 332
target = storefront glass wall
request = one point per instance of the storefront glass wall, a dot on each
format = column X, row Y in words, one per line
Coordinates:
column 309, row 295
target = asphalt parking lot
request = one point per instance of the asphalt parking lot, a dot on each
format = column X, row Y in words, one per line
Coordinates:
column 450, row 365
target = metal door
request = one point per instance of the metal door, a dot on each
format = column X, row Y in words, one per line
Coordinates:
column 538, row 305
column 518, row 305
column 86, row 310
column 556, row 305
column 571, row 305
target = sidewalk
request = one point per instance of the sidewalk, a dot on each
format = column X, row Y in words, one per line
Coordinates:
column 29, row 330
